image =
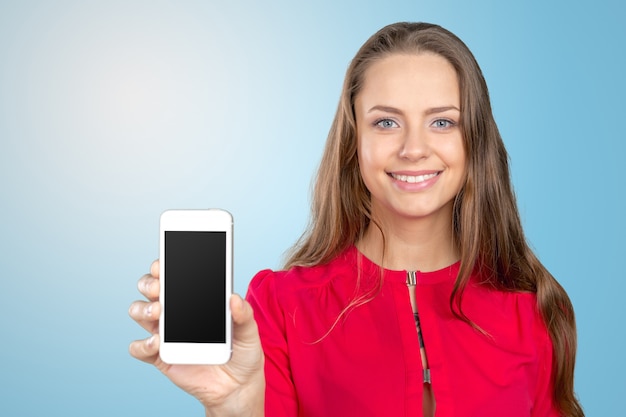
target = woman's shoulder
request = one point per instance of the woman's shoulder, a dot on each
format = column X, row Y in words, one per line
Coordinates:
column 290, row 281
column 276, row 296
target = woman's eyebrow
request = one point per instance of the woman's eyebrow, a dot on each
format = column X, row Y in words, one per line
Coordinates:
column 441, row 109
column 432, row 110
column 386, row 109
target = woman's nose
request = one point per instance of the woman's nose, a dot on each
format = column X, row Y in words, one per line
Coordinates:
column 414, row 145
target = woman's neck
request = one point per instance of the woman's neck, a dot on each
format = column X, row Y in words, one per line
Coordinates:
column 410, row 245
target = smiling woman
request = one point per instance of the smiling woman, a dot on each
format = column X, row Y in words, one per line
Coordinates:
column 413, row 291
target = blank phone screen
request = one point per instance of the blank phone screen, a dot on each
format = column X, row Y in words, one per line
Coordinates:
column 195, row 285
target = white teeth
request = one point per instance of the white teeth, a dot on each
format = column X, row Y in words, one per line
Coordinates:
column 413, row 178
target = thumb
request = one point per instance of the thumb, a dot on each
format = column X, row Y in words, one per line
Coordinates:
column 247, row 351
column 240, row 308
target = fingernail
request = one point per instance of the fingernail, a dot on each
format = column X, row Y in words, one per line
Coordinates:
column 147, row 311
column 150, row 341
column 240, row 302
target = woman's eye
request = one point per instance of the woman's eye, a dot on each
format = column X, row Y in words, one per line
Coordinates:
column 443, row 123
column 386, row 123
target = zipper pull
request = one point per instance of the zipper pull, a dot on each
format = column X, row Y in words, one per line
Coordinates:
column 427, row 379
column 411, row 278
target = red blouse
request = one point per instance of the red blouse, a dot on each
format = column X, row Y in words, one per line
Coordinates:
column 320, row 363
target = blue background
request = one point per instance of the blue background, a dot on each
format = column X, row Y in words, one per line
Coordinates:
column 113, row 111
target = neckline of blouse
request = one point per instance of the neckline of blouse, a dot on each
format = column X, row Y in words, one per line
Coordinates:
column 448, row 273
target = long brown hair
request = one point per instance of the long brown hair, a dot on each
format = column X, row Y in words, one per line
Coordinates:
column 486, row 222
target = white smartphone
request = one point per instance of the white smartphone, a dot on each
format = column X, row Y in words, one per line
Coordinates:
column 196, row 267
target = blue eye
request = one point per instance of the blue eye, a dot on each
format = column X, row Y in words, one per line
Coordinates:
column 443, row 123
column 386, row 123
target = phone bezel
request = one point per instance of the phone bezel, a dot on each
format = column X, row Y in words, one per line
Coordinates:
column 196, row 220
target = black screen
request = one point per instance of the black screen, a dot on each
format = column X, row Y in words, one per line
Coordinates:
column 195, row 285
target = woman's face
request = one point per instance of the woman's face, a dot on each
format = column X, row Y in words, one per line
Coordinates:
column 410, row 146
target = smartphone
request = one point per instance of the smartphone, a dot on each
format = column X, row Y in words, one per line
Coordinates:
column 196, row 267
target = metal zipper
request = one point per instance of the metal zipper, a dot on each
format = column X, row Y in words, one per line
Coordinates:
column 411, row 281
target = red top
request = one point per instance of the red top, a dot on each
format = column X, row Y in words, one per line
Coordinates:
column 367, row 362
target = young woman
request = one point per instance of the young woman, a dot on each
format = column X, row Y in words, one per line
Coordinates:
column 413, row 291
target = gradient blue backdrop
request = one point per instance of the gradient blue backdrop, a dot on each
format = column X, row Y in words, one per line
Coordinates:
column 113, row 111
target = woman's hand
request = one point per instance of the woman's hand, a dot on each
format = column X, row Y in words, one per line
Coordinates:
column 236, row 388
